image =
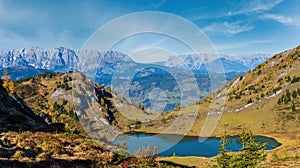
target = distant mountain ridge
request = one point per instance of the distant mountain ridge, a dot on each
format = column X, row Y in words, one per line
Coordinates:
column 57, row 59
column 117, row 69
column 240, row 63
column 63, row 59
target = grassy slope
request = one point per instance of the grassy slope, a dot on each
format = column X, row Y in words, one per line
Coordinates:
column 264, row 116
column 72, row 147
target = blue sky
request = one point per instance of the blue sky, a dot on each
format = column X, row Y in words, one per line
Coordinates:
column 233, row 26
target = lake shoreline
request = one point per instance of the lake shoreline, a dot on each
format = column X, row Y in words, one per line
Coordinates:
column 286, row 140
column 269, row 135
column 178, row 143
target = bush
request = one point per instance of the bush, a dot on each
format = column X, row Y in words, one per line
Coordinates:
column 262, row 95
column 149, row 151
column 238, row 96
column 295, row 79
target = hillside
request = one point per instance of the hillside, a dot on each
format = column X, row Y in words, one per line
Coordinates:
column 270, row 93
column 30, row 138
column 72, row 98
column 265, row 100
column 15, row 116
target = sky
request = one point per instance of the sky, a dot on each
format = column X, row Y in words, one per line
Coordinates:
column 233, row 26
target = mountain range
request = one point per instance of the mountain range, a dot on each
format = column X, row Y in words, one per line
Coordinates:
column 63, row 59
column 115, row 69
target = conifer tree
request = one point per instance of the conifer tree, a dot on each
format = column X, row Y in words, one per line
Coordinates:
column 252, row 153
column 293, row 107
column 294, row 94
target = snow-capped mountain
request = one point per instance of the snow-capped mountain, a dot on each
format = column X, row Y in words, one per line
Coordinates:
column 106, row 62
column 64, row 59
column 57, row 59
column 252, row 60
column 118, row 70
column 60, row 59
column 240, row 63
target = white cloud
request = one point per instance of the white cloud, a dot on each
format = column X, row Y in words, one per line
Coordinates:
column 240, row 7
column 47, row 26
column 236, row 27
column 229, row 28
column 253, row 6
column 210, row 28
column 12, row 39
column 288, row 20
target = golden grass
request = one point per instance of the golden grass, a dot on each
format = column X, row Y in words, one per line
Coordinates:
column 188, row 161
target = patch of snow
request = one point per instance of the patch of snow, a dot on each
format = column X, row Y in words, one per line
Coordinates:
column 233, row 84
column 272, row 63
column 64, row 95
column 214, row 113
column 278, row 92
column 104, row 121
column 246, row 106
column 57, row 93
column 281, row 75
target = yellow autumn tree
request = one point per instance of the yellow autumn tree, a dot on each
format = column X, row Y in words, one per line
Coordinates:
column 176, row 107
column 5, row 85
column 8, row 84
column 11, row 87
column 5, row 79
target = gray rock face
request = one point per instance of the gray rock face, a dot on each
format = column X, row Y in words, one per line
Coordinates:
column 63, row 59
column 135, row 81
column 57, row 59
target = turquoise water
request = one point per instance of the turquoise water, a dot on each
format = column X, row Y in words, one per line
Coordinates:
column 168, row 144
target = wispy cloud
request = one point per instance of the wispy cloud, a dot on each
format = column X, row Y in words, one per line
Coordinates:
column 239, row 8
column 28, row 25
column 236, row 45
column 229, row 28
column 288, row 20
column 158, row 5
column 236, row 27
column 253, row 6
column 12, row 39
